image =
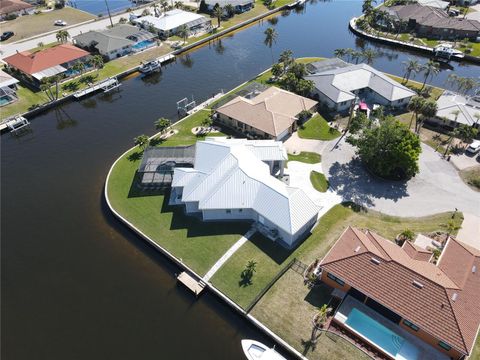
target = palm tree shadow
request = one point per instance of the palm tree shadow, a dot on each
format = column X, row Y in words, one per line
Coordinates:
column 246, row 279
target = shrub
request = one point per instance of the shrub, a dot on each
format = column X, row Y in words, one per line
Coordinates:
column 11, row 17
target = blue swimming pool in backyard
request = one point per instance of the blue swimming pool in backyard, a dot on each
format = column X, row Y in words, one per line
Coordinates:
column 142, row 45
column 378, row 334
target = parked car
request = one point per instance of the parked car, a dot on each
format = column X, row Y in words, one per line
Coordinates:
column 60, row 23
column 453, row 12
column 474, row 147
column 6, row 35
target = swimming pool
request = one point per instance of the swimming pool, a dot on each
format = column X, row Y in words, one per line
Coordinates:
column 143, row 45
column 375, row 332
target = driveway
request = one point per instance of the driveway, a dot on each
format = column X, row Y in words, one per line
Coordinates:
column 437, row 188
column 470, row 231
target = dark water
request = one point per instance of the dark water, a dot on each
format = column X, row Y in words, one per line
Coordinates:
column 97, row 7
column 76, row 284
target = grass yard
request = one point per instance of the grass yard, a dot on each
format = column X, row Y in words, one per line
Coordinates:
column 27, row 26
column 471, row 177
column 476, row 350
column 317, row 128
column 198, row 244
column 288, row 309
column 271, row 258
column 306, row 157
column 26, row 99
column 319, row 181
column 415, row 85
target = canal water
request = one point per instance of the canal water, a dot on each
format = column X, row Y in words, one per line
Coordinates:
column 98, row 7
column 76, row 284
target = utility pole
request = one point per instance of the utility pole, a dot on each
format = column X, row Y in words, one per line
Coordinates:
column 109, row 15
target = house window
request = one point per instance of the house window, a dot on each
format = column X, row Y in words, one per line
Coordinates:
column 240, row 210
column 444, row 345
column 337, row 280
column 228, row 211
column 410, row 325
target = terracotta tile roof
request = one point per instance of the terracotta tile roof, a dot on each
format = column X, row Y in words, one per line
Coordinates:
column 31, row 63
column 272, row 111
column 416, row 252
column 387, row 275
column 10, row 6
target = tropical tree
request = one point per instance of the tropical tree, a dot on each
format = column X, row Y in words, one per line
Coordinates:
column 466, row 133
column 415, row 106
column 164, row 5
column 367, row 7
column 46, row 86
column 356, row 55
column 230, row 9
column 286, row 58
column 250, row 268
column 79, row 67
column 178, row 5
column 389, row 150
column 270, row 39
column 207, row 121
column 277, row 70
column 428, row 111
column 322, row 315
column 218, row 13
column 369, row 55
column 162, row 124
column 184, row 32
column 451, row 227
column 430, row 69
column 142, row 141
column 298, row 69
column 411, row 66
column 340, row 53
column 97, row 61
column 62, row 36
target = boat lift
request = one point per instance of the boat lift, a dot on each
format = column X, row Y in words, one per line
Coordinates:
column 17, row 123
column 104, row 85
column 184, row 106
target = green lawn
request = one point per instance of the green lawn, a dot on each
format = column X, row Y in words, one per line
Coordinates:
column 471, row 176
column 319, row 181
column 271, row 258
column 416, row 85
column 476, row 350
column 26, row 99
column 317, row 128
column 306, row 157
column 198, row 244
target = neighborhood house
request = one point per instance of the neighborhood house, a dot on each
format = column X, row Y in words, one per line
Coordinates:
column 8, row 88
column 13, row 8
column 168, row 24
column 58, row 60
column 240, row 6
column 338, row 88
column 397, row 300
column 234, row 179
column 455, row 109
column 272, row 113
column 118, row 41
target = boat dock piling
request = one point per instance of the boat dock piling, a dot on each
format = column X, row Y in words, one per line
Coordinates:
column 194, row 285
column 105, row 85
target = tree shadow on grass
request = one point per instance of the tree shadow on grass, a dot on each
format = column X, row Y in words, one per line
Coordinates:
column 246, row 279
column 135, row 156
column 319, row 295
column 355, row 184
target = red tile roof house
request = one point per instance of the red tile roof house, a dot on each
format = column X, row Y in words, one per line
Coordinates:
column 400, row 303
column 33, row 67
column 14, row 8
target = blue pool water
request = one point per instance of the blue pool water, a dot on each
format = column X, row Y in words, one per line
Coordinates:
column 142, row 45
column 375, row 332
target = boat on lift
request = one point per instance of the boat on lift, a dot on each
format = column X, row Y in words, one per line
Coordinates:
column 445, row 51
column 150, row 66
column 255, row 350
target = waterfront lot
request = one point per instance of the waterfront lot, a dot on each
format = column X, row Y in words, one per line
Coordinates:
column 36, row 24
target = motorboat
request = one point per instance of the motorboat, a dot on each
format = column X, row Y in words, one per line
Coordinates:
column 150, row 66
column 446, row 51
column 255, row 350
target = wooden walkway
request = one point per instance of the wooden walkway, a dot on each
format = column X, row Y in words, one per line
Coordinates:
column 194, row 285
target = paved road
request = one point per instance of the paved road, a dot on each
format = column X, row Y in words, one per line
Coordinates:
column 10, row 49
column 437, row 187
column 470, row 231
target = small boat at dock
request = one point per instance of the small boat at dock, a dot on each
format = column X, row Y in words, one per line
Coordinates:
column 255, row 350
column 444, row 52
column 298, row 3
column 150, row 66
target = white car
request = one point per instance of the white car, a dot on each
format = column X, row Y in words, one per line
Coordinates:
column 474, row 147
column 60, row 23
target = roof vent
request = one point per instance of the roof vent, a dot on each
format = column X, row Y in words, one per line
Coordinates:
column 454, row 296
column 357, row 249
column 474, row 269
column 375, row 261
column 418, row 284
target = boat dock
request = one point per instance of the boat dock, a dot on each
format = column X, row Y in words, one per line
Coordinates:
column 105, row 85
column 166, row 58
column 14, row 124
column 205, row 103
column 194, row 285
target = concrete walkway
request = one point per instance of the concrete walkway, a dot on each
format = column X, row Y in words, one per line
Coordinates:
column 470, row 231
column 228, row 254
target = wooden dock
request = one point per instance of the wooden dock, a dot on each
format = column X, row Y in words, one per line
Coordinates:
column 166, row 58
column 194, row 285
column 105, row 85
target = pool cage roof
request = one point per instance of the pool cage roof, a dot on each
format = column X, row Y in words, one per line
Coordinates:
column 164, row 158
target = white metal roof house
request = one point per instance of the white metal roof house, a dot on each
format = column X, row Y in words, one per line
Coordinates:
column 338, row 88
column 169, row 23
column 232, row 180
column 455, row 109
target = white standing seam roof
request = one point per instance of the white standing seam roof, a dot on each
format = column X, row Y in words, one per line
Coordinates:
column 6, row 79
column 172, row 19
column 339, row 84
column 236, row 178
column 449, row 103
column 52, row 71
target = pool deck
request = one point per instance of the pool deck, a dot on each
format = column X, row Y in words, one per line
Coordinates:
column 426, row 351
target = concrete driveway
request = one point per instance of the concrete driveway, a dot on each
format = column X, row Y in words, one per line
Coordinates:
column 470, row 231
column 437, row 187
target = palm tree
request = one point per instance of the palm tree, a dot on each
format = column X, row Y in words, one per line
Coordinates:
column 286, row 58
column 356, row 55
column 79, row 66
column 430, row 69
column 349, row 54
column 142, row 141
column 218, row 13
column 46, row 87
column 184, row 32
column 270, row 39
column 164, row 5
column 97, row 62
column 411, row 66
column 178, row 5
column 428, row 111
column 250, row 268
column 340, row 53
column 369, row 55
column 162, row 124
column 62, row 36
column 230, row 9
column 451, row 227
column 415, row 105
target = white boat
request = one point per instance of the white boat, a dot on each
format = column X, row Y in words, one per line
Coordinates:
column 446, row 51
column 255, row 350
column 150, row 66
column 298, row 3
